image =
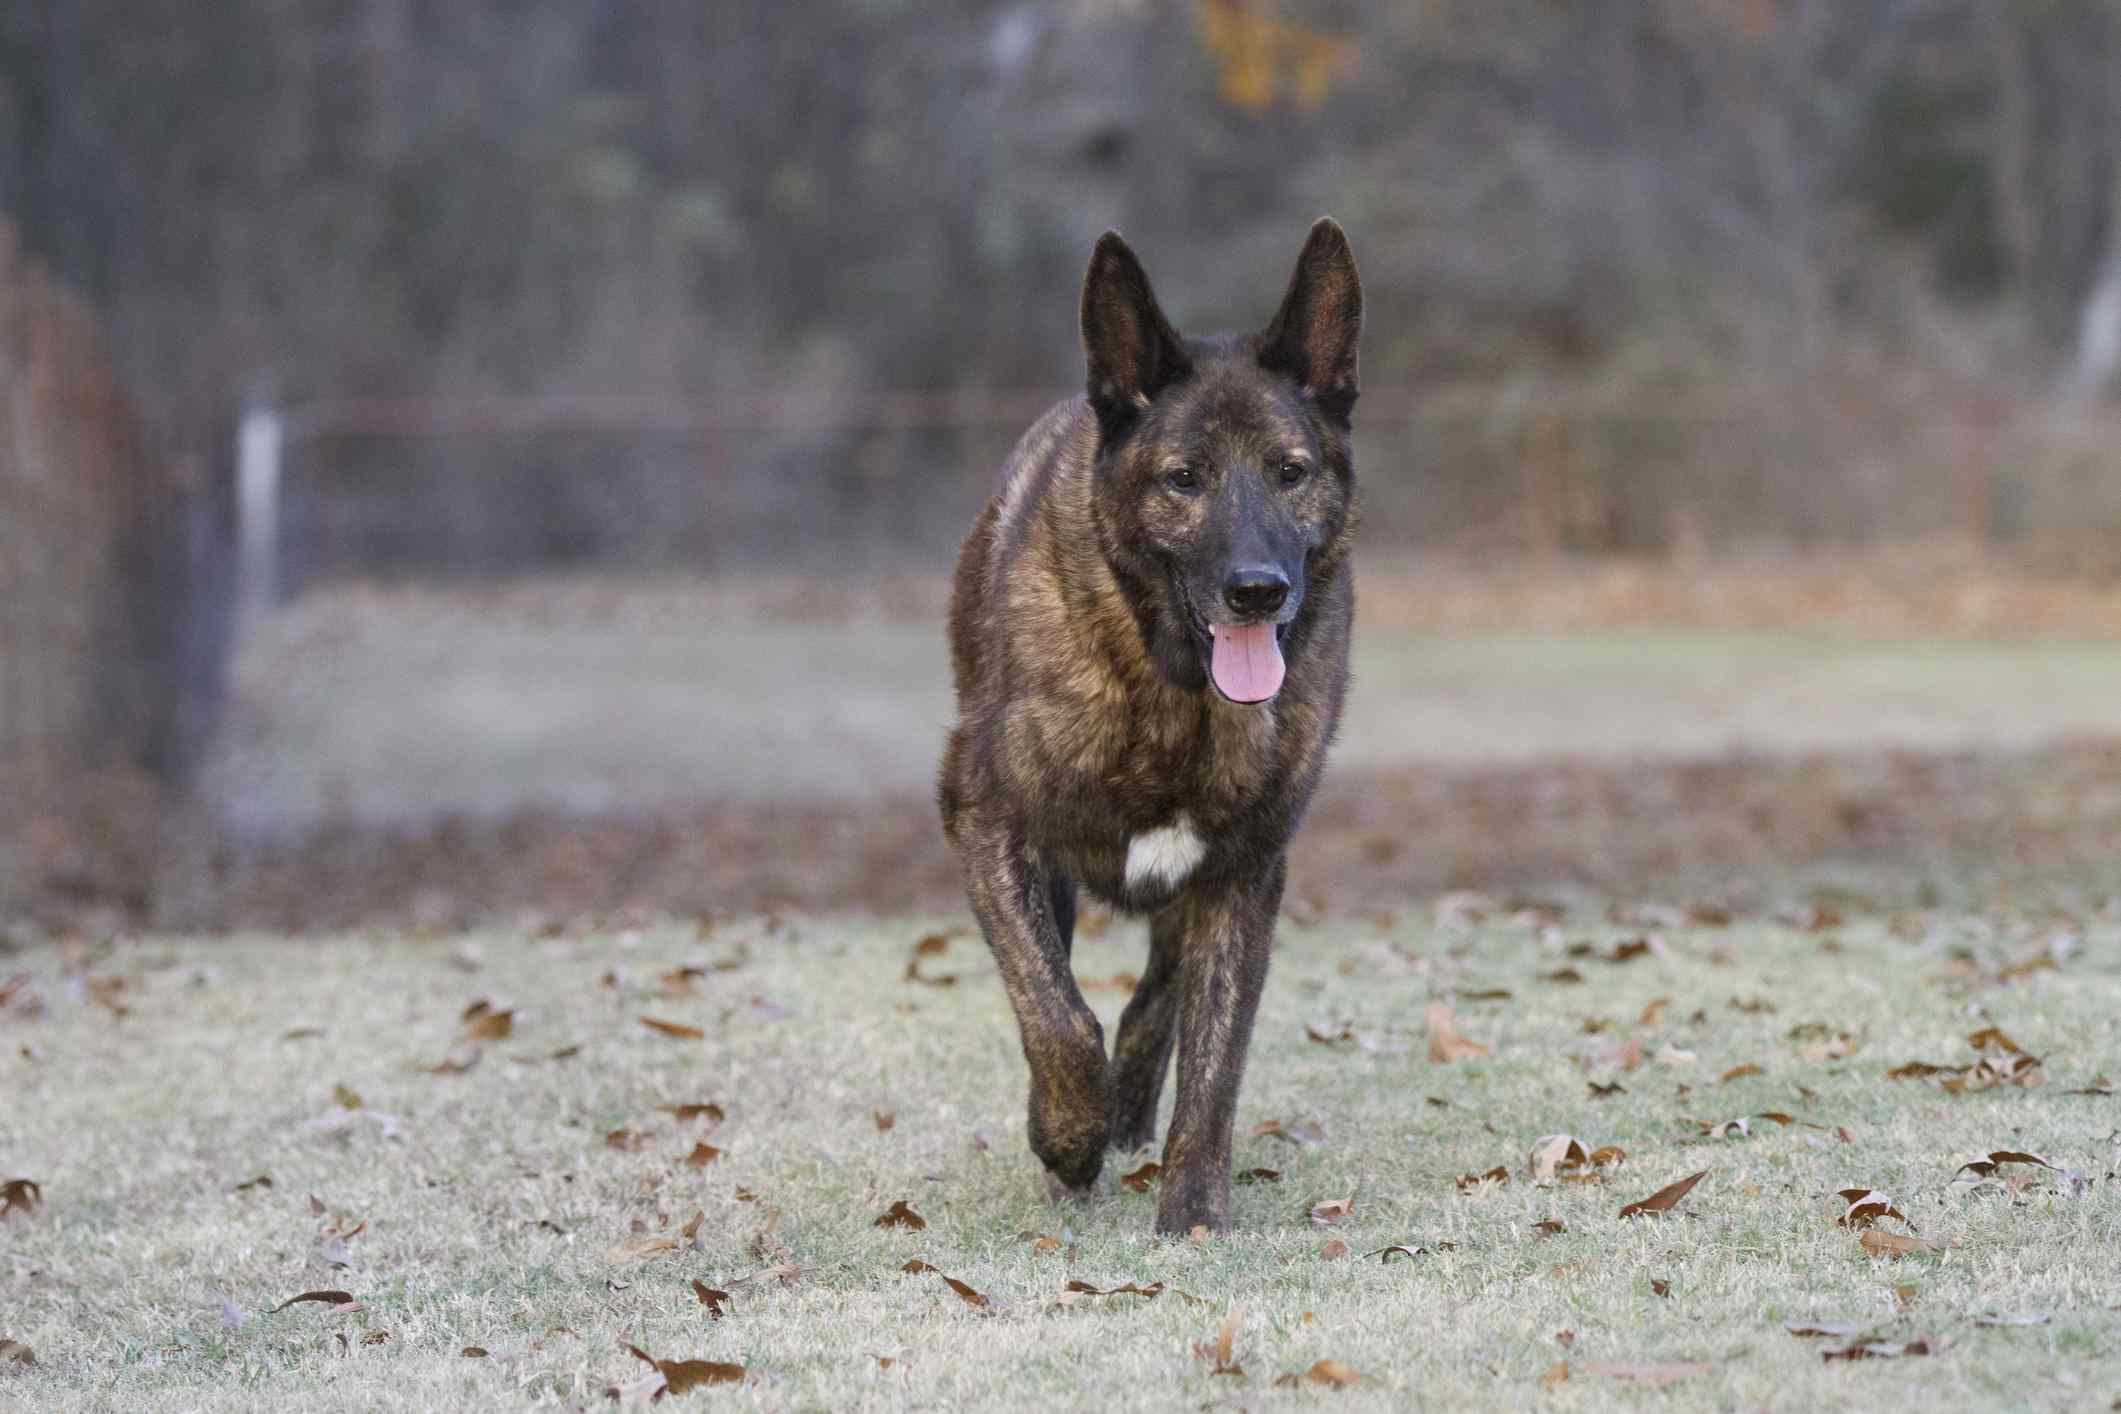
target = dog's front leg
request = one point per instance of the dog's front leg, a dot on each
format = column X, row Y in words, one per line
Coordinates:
column 1227, row 936
column 1063, row 1042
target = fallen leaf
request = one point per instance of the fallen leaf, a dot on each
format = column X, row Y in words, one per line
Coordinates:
column 931, row 944
column 712, row 1113
column 1652, row 1012
column 20, row 1197
column 916, row 1267
column 1555, row 1376
column 1043, row 1244
column 328, row 1298
column 676, row 1029
column 344, row 1098
column 1603, row 1092
column 1331, row 1211
column 1445, row 1043
column 1332, row 1374
column 915, row 975
column 1488, row 994
column 1865, row 1207
column 1892, row 1244
column 626, row 1141
column 1385, row 1254
column 15, row 1353
column 702, row 1155
column 1757, row 1006
column 1467, row 1182
column 1879, row 1350
column 1225, row 1348
column 1307, row 1133
column 1738, row 1071
column 490, row 1025
column 709, row 1297
column 1653, row 1375
column 691, row 1230
column 1554, row 1154
column 1334, row 1249
column 967, row 1294
column 899, row 1215
column 1660, row 1287
column 302, row 1033
column 1992, row 1038
column 1983, row 1168
column 473, row 1352
column 1140, row 1180
column 1562, row 975
column 1260, row 1176
column 1549, row 1227
column 1148, row 1293
column 1665, row 1198
column 641, row 1247
column 681, row 1375
column 884, row 1120
column 263, row 1180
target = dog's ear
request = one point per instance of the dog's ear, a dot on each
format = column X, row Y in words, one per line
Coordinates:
column 1134, row 352
column 1313, row 338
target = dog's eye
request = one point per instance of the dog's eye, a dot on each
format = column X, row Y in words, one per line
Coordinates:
column 1183, row 479
column 1293, row 471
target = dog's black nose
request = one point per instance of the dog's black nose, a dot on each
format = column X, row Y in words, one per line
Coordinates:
column 1255, row 589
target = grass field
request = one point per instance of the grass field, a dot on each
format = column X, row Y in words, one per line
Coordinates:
column 153, row 1085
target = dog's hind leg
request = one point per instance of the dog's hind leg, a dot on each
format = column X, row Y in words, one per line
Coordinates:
column 1141, row 1053
column 1014, row 897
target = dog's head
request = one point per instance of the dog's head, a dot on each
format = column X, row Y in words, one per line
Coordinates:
column 1224, row 476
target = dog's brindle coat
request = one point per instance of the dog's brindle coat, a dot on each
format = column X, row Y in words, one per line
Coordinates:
column 1202, row 486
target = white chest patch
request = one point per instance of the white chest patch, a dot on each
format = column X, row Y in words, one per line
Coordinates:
column 1166, row 854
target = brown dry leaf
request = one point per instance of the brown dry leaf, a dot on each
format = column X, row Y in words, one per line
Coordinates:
column 1665, row 1198
column 711, row 1298
column 1550, row 1227
column 1562, row 975
column 473, row 1352
column 1624, row 1054
column 1078, row 1289
column 678, row 982
column 1040, row 1245
column 1653, row 1375
column 1737, row 1072
column 966, row 1294
column 627, row 1141
column 1307, row 1133
column 1332, row 1374
column 328, row 1298
column 1555, row 1376
column 884, row 1120
column 1225, row 1349
column 1629, row 950
column 490, row 1025
column 1879, row 1350
column 1467, row 1182
column 691, row 1230
column 1865, row 1207
column 376, row 1338
column 263, row 1180
column 900, row 1215
column 641, row 1247
column 1329, row 1033
column 1606, row 1092
column 1487, row 994
column 1140, row 1180
column 1835, row 1047
column 914, row 974
column 20, row 1197
column 1756, row 1006
column 681, row 1375
column 1653, row 1011
column 1385, row 1255
column 1260, row 1176
column 932, row 945
column 1445, row 1044
column 1660, row 1287
column 1892, row 1244
column 1334, row 1250
column 1823, row 1330
column 14, row 1354
column 344, row 1098
column 1606, row 1155
column 675, row 1029
column 1991, row 1038
column 1555, row 1154
column 712, row 1113
column 702, row 1155
column 1984, row 1168
column 916, row 1267
column 1331, row 1211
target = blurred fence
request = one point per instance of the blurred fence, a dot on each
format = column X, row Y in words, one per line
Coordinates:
column 82, row 690
column 887, row 482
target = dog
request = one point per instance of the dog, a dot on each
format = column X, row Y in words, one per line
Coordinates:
column 1149, row 639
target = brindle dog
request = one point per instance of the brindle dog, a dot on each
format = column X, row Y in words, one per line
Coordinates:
column 1149, row 630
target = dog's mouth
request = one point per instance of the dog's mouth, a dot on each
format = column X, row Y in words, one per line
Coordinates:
column 1245, row 661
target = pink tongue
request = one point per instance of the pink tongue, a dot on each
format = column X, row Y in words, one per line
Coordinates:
column 1247, row 662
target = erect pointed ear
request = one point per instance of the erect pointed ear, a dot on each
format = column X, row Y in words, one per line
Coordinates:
column 1134, row 352
column 1313, row 338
